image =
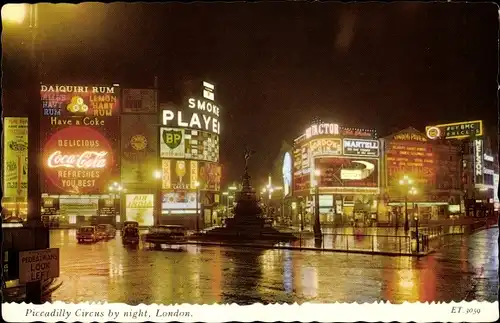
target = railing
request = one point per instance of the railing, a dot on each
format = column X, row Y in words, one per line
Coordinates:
column 352, row 242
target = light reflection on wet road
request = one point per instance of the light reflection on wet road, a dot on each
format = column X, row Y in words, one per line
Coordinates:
column 107, row 271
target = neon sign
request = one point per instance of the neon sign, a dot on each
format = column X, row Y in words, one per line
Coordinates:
column 78, row 160
column 201, row 113
column 456, row 130
column 322, row 129
column 87, row 159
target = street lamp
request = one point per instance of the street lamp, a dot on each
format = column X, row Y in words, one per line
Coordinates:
column 157, row 175
column 197, row 185
column 14, row 12
column 406, row 182
column 116, row 189
column 317, row 224
column 416, row 232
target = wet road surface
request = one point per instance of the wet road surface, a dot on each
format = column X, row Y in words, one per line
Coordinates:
column 466, row 268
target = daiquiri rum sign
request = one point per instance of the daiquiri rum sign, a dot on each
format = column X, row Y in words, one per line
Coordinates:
column 79, row 131
column 77, row 160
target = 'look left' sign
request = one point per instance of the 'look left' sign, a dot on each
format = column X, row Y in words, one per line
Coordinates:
column 35, row 265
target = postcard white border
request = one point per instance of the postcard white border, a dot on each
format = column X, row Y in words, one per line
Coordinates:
column 339, row 312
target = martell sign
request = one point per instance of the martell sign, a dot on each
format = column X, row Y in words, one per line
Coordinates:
column 361, row 147
column 77, row 160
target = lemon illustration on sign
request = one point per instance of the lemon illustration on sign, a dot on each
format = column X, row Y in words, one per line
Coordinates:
column 77, row 105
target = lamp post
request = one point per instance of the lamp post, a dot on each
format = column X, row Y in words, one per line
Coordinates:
column 416, row 232
column 406, row 182
column 116, row 189
column 413, row 191
column 269, row 188
column 17, row 14
column 157, row 175
column 226, row 194
column 230, row 196
column 317, row 224
column 197, row 185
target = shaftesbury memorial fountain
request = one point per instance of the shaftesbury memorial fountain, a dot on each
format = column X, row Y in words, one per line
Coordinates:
column 248, row 223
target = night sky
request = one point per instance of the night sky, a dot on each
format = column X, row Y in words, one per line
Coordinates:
column 278, row 65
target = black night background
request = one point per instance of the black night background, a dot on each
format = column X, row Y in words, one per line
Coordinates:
column 385, row 66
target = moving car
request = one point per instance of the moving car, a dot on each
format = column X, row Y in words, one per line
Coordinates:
column 130, row 235
column 134, row 224
column 87, row 233
column 105, row 231
column 166, row 234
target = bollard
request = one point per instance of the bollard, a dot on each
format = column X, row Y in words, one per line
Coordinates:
column 347, row 242
column 399, row 238
column 373, row 249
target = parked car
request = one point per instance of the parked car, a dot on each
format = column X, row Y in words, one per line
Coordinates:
column 87, row 233
column 166, row 234
column 105, row 231
column 130, row 235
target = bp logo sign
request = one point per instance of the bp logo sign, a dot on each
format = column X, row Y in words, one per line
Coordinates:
column 172, row 138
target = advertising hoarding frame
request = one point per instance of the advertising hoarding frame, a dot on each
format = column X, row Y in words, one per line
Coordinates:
column 187, row 144
column 15, row 144
column 145, row 106
column 377, row 149
column 76, row 106
column 435, row 131
column 351, row 159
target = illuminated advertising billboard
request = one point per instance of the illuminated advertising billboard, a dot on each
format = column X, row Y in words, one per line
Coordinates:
column 189, row 144
column 77, row 160
column 140, row 101
column 457, row 130
column 140, row 208
column 301, row 182
column 80, row 125
column 301, row 158
column 198, row 113
column 286, row 171
column 347, row 172
column 358, row 132
column 179, row 174
column 179, row 200
column 325, row 147
column 67, row 105
column 478, row 161
column 139, row 148
column 15, row 157
column 209, row 176
column 412, row 158
column 360, row 147
column 322, row 129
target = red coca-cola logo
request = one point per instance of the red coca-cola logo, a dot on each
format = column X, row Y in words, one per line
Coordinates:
column 77, row 160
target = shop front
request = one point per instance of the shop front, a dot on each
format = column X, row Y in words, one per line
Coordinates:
column 61, row 211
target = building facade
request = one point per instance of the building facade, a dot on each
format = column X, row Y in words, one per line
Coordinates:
column 343, row 164
column 479, row 163
column 80, row 146
column 420, row 174
column 188, row 159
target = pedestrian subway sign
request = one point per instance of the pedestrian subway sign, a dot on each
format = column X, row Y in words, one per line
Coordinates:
column 35, row 265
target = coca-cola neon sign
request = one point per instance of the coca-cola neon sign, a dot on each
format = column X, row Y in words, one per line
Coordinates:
column 78, row 160
column 87, row 159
